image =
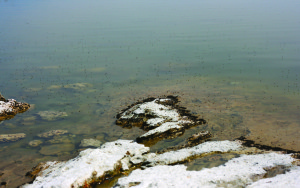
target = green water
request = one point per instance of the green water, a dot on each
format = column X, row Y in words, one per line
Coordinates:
column 234, row 63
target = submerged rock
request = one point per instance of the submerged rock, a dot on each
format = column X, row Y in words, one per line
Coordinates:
column 90, row 142
column 9, row 108
column 52, row 115
column 11, row 137
column 35, row 143
column 52, row 133
column 61, row 139
column 57, row 149
column 75, row 86
column 161, row 117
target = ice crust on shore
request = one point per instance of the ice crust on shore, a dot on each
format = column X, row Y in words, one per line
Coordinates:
column 238, row 172
column 172, row 157
column 290, row 179
column 89, row 164
column 122, row 154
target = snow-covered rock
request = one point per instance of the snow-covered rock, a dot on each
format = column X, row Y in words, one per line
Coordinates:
column 238, row 172
column 89, row 165
column 161, row 117
column 10, row 107
column 181, row 155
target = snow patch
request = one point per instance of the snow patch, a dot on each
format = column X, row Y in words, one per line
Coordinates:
column 237, row 172
column 172, row 157
column 88, row 164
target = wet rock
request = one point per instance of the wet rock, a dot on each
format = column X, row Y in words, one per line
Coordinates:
column 56, row 149
column 9, row 108
column 52, row 133
column 90, row 143
column 35, row 143
column 11, row 137
column 52, row 115
column 161, row 117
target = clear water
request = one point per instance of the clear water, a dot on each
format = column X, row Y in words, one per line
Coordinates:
column 234, row 63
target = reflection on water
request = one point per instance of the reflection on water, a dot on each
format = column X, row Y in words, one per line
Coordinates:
column 235, row 64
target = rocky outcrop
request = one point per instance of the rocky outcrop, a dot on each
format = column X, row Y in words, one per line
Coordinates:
column 9, row 108
column 161, row 117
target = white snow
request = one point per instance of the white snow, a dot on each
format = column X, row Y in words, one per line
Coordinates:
column 75, row 172
column 172, row 157
column 163, row 128
column 290, row 179
column 237, row 172
column 154, row 108
column 7, row 106
column 154, row 121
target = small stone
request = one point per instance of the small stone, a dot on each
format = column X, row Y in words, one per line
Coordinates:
column 52, row 133
column 90, row 142
column 11, row 137
column 52, row 115
column 35, row 143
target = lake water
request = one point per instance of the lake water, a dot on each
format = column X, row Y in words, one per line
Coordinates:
column 234, row 63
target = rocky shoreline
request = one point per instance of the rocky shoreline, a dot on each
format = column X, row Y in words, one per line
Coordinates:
column 253, row 165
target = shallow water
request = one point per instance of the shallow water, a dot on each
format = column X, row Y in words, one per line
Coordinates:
column 235, row 64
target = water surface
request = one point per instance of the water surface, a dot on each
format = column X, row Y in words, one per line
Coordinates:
column 234, row 63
